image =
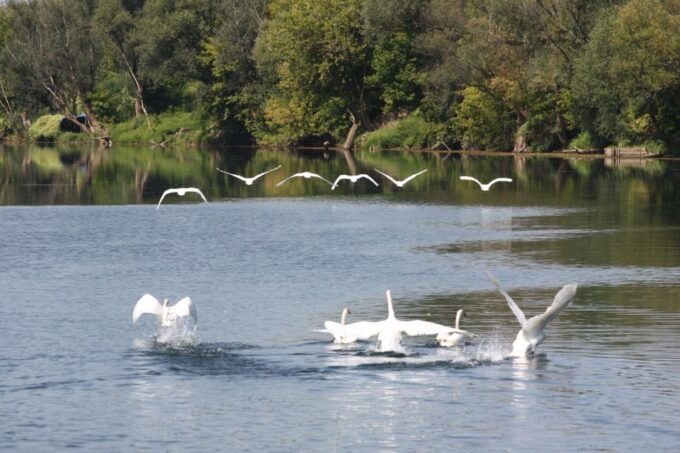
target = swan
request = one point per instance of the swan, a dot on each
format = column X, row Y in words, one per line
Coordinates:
column 350, row 333
column 392, row 330
column 353, row 179
column 403, row 181
column 181, row 191
column 485, row 187
column 455, row 338
column 532, row 332
column 306, row 175
column 167, row 315
column 249, row 181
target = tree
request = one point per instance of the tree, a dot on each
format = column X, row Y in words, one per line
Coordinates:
column 52, row 48
column 115, row 25
column 627, row 86
column 317, row 53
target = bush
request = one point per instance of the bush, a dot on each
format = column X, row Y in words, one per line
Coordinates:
column 409, row 132
column 46, row 128
column 583, row 141
column 166, row 127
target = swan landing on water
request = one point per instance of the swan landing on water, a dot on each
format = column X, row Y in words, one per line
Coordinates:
column 168, row 316
column 532, row 333
column 393, row 330
column 458, row 337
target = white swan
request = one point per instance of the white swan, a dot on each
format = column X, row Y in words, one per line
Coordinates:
column 167, row 315
column 349, row 333
column 306, row 175
column 532, row 332
column 485, row 187
column 181, row 191
column 403, row 181
column 249, row 181
column 353, row 179
column 392, row 330
column 458, row 337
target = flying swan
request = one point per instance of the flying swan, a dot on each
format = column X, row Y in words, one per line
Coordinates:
column 455, row 338
column 485, row 187
column 306, row 175
column 344, row 333
column 181, row 191
column 168, row 316
column 353, row 179
column 532, row 332
column 403, row 181
column 248, row 181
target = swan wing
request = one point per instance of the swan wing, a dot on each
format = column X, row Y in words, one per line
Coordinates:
column 363, row 330
column 264, row 173
column 388, row 177
column 499, row 180
column 418, row 327
column 198, row 191
column 232, row 174
column 290, row 177
column 147, row 304
column 511, row 303
column 563, row 299
column 184, row 308
column 163, row 196
column 470, row 178
column 370, row 179
column 337, row 180
column 413, row 176
column 314, row 175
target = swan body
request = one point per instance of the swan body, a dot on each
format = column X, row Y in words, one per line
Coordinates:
column 532, row 332
column 353, row 179
column 403, row 181
column 344, row 333
column 181, row 191
column 249, row 181
column 458, row 337
column 392, row 330
column 167, row 315
column 485, row 187
column 306, row 175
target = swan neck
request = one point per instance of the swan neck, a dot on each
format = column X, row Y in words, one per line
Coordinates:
column 390, row 307
column 343, row 318
column 458, row 316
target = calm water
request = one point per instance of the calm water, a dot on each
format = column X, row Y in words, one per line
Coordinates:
column 81, row 241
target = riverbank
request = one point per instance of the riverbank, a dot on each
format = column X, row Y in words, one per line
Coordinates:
column 411, row 133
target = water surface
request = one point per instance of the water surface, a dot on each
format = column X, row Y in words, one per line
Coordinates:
column 81, row 241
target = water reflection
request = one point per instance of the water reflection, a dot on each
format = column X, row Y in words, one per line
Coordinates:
column 79, row 174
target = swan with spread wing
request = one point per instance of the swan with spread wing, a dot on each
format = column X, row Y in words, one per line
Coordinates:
column 532, row 332
column 167, row 315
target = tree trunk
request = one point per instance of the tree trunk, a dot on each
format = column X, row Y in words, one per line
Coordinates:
column 352, row 134
column 561, row 126
column 520, row 140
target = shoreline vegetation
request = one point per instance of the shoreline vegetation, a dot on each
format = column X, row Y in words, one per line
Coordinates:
column 563, row 76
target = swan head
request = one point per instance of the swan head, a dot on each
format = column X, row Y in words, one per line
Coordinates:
column 181, row 192
column 165, row 302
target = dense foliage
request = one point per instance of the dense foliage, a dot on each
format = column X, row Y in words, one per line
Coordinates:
column 489, row 74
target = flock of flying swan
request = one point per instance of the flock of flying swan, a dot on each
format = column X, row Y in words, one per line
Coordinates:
column 389, row 332
column 181, row 191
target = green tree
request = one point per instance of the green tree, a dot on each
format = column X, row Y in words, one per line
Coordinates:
column 627, row 86
column 52, row 48
column 115, row 25
column 319, row 57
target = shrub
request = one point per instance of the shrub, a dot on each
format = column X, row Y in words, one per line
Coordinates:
column 46, row 128
column 409, row 132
